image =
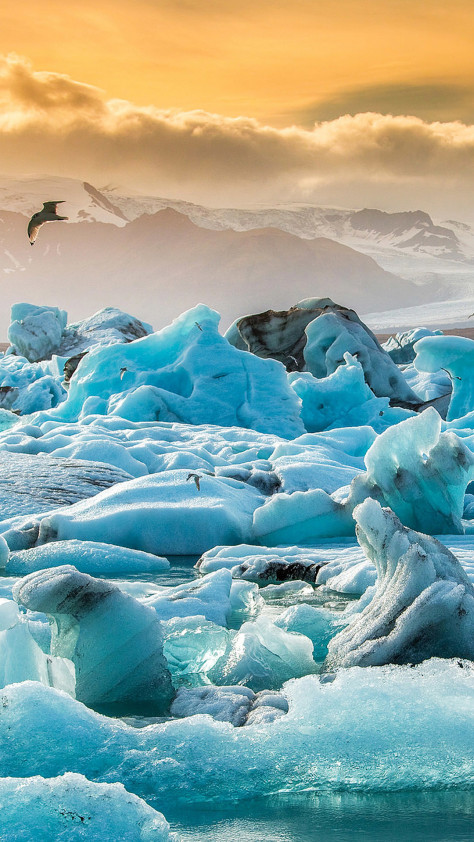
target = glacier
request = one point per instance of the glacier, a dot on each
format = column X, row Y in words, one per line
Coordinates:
column 231, row 567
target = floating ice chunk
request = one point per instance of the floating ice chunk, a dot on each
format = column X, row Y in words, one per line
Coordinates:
column 245, row 597
column 21, row 659
column 33, row 484
column 261, row 564
column 114, row 641
column 302, row 517
column 264, row 656
column 39, row 332
column 193, row 646
column 225, row 704
column 420, row 472
column 165, row 514
column 318, row 624
column 296, row 589
column 423, row 605
column 208, row 596
column 401, row 346
column 4, row 553
column 352, row 573
column 29, row 387
column 106, row 327
column 185, row 372
column 414, row 468
column 277, row 334
column 327, row 461
column 429, row 706
column 454, row 354
column 87, row 556
column 338, row 331
column 343, row 399
column 434, row 387
column 35, row 332
column 71, row 808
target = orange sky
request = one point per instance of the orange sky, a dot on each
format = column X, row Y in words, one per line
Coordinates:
column 281, row 61
column 347, row 102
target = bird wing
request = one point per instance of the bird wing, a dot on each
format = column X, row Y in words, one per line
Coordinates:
column 51, row 206
column 33, row 228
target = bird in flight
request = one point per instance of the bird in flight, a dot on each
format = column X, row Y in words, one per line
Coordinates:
column 48, row 214
column 196, row 479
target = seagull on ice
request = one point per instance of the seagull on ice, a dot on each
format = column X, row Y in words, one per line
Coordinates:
column 48, row 214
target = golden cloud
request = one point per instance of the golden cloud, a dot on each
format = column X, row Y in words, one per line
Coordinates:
column 51, row 123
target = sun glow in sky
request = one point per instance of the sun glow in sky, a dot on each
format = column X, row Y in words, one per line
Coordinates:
column 281, row 61
column 223, row 102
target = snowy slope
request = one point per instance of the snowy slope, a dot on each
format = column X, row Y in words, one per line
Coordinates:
column 83, row 202
column 156, row 262
column 236, row 260
column 408, row 244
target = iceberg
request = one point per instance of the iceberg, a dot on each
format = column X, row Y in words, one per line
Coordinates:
column 264, row 656
column 114, row 641
column 314, row 335
column 29, row 387
column 70, row 807
column 423, row 604
column 419, row 472
column 401, row 346
column 339, row 331
column 343, row 399
column 38, row 332
column 326, row 741
column 414, row 468
column 455, row 355
column 35, row 332
column 90, row 557
column 164, row 514
column 186, row 372
column 22, row 659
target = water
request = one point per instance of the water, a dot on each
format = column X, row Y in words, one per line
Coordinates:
column 339, row 817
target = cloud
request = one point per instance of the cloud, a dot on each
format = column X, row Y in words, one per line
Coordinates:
column 51, row 123
column 434, row 101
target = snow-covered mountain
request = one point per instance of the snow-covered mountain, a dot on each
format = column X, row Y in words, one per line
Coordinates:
column 155, row 256
column 160, row 264
column 83, row 202
column 408, row 244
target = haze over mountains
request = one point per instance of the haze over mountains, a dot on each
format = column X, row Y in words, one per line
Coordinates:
column 156, row 257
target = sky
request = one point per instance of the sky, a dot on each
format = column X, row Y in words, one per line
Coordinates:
column 349, row 102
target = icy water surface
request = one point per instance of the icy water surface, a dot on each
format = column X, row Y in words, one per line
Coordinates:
column 340, row 817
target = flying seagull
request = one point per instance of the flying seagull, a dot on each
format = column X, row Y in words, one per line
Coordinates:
column 48, row 214
column 196, row 479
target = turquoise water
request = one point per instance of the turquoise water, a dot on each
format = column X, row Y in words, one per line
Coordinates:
column 342, row 817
